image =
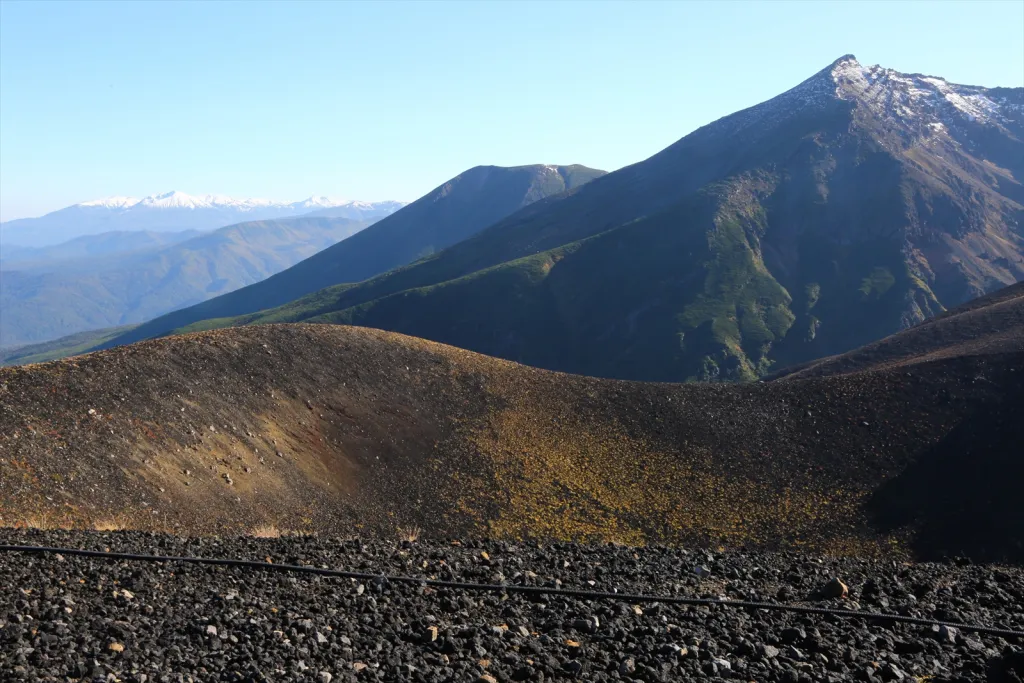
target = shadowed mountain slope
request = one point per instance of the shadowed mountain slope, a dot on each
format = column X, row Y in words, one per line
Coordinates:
column 336, row 429
column 989, row 324
column 450, row 213
column 857, row 204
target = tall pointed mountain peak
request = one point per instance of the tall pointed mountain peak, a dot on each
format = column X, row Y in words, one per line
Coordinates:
column 845, row 59
column 915, row 104
column 845, row 67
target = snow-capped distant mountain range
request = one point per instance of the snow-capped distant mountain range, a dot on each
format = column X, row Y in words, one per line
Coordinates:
column 174, row 211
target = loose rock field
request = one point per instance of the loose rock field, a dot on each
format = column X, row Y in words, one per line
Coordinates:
column 81, row 619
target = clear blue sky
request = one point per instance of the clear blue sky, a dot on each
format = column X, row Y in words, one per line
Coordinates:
column 388, row 100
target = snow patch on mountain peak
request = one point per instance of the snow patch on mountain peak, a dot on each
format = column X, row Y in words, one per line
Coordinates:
column 182, row 200
column 911, row 102
column 112, row 202
column 321, row 202
column 912, row 98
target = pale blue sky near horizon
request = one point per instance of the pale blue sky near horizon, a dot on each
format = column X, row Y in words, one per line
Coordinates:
column 388, row 100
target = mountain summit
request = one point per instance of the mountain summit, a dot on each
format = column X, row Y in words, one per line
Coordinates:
column 913, row 102
column 856, row 204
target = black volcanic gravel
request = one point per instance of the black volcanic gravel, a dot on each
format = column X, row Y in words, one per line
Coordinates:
column 80, row 619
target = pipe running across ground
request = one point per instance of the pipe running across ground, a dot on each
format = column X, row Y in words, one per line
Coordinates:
column 512, row 588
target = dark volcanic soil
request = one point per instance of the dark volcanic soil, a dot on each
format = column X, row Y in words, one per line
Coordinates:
column 329, row 428
column 75, row 619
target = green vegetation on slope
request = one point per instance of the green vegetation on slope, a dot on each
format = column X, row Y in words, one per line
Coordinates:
column 59, row 348
column 560, row 309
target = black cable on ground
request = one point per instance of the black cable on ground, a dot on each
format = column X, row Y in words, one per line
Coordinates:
column 528, row 590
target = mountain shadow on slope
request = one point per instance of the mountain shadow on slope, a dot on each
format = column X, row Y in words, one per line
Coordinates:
column 962, row 497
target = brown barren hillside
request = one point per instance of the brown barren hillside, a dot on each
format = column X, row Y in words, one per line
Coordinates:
column 350, row 430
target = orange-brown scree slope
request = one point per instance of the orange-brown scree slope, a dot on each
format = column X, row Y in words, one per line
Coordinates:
column 355, row 431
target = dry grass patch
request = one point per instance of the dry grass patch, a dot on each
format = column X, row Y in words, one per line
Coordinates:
column 37, row 521
column 109, row 525
column 265, row 531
